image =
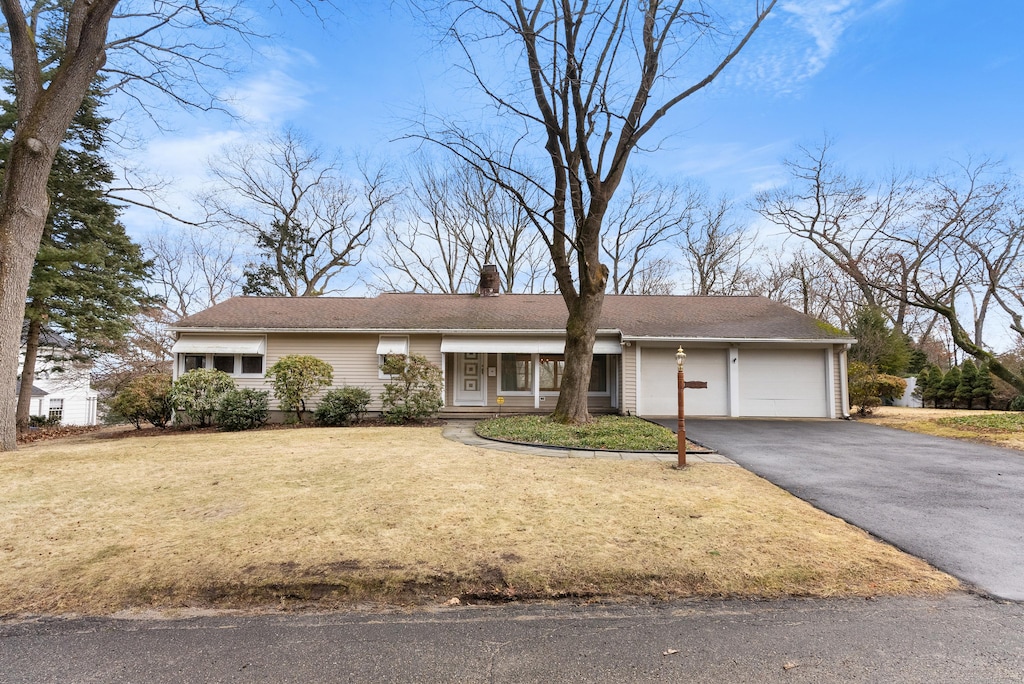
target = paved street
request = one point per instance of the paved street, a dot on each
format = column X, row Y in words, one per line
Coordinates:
column 961, row 638
column 956, row 504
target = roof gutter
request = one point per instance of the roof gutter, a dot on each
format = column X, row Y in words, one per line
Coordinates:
column 384, row 331
column 742, row 340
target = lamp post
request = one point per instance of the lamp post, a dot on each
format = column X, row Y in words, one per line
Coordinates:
column 681, row 427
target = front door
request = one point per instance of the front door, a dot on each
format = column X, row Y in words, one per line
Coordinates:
column 469, row 380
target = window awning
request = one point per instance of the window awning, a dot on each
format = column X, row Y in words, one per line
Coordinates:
column 520, row 345
column 220, row 344
column 392, row 344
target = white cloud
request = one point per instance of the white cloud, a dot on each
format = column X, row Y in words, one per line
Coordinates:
column 178, row 166
column 810, row 34
column 825, row 23
column 267, row 98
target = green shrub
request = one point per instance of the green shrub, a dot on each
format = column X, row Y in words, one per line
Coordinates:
column 1017, row 404
column 43, row 421
column 868, row 388
column 198, row 393
column 296, row 379
column 890, row 387
column 146, row 398
column 243, row 409
column 414, row 392
column 340, row 406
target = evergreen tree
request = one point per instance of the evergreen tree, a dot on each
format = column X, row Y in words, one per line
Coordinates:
column 878, row 344
column 921, row 387
column 984, row 387
column 947, row 388
column 86, row 280
column 918, row 362
column 968, row 378
column 931, row 390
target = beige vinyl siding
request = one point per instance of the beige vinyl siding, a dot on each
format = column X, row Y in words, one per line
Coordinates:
column 352, row 356
column 628, row 382
column 837, row 372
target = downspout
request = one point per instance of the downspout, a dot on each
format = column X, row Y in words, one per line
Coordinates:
column 843, row 382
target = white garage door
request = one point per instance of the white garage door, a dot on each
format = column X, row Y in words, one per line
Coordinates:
column 658, row 382
column 783, row 383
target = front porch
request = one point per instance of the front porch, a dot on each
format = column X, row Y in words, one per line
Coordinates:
column 485, row 383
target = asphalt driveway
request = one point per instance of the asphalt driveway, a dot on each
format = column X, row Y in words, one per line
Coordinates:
column 958, row 505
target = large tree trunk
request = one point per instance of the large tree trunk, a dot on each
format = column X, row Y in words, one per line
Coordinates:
column 23, row 207
column 580, row 335
column 44, row 112
column 28, row 375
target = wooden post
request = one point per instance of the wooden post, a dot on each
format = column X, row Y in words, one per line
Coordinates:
column 681, row 426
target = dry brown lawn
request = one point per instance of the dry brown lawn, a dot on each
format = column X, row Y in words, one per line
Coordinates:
column 925, row 421
column 401, row 515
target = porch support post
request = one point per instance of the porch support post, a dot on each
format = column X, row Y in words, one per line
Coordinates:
column 444, row 380
column 536, row 381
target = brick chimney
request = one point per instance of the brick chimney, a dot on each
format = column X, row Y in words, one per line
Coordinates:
column 490, row 282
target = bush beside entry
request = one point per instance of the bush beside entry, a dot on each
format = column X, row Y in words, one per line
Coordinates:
column 414, row 392
column 297, row 378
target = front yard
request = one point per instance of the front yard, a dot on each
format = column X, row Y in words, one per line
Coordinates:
column 402, row 516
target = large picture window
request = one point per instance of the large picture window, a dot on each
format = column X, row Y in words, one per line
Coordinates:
column 516, row 372
column 552, row 367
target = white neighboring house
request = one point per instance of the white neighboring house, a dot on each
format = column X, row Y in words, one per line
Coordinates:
column 62, row 388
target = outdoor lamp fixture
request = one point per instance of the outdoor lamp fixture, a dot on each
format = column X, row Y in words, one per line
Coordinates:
column 681, row 426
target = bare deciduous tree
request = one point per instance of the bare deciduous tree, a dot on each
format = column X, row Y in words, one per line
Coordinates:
column 963, row 254
column 847, row 219
column 56, row 50
column 307, row 220
column 640, row 225
column 194, row 269
column 950, row 245
column 809, row 282
column 597, row 77
column 452, row 221
column 718, row 251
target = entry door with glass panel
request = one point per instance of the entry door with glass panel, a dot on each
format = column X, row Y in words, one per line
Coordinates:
column 470, row 389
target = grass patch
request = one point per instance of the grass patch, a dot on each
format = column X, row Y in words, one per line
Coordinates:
column 988, row 422
column 1000, row 428
column 399, row 515
column 615, row 433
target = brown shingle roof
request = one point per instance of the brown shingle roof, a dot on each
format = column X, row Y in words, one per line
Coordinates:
column 633, row 315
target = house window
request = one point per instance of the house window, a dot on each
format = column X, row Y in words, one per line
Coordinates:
column 224, row 363
column 599, row 373
column 392, row 351
column 252, row 365
column 232, row 364
column 56, row 409
column 516, row 372
column 552, row 367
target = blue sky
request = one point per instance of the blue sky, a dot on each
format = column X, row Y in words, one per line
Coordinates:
column 910, row 83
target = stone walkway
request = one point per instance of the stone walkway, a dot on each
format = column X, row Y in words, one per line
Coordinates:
column 462, row 431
